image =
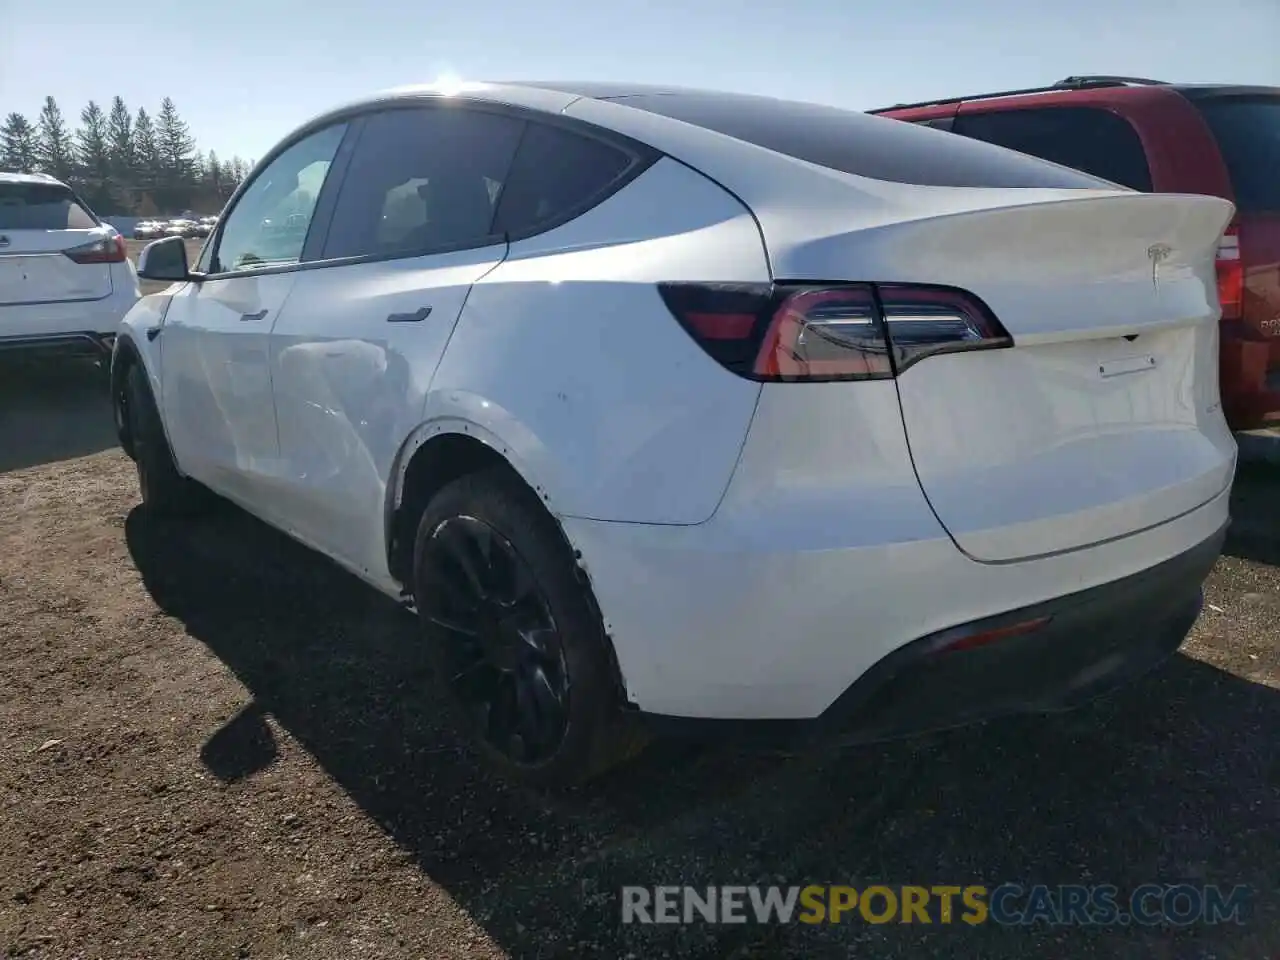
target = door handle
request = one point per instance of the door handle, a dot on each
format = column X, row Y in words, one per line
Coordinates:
column 253, row 317
column 416, row 317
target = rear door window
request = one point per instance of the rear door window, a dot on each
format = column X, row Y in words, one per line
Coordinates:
column 39, row 206
column 1248, row 133
column 556, row 175
column 422, row 180
column 876, row 147
column 1096, row 141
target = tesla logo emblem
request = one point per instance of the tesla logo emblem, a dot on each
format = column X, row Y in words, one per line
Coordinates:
column 1159, row 253
column 4, row 241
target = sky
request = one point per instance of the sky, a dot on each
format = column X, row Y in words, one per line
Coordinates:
column 243, row 73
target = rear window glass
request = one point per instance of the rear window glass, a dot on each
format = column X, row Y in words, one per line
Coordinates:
column 555, row 174
column 1084, row 138
column 855, row 143
column 1248, row 134
column 38, row 206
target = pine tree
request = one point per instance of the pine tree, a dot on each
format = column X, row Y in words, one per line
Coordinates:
column 213, row 173
column 146, row 155
column 120, row 141
column 92, row 147
column 229, row 179
column 93, row 156
column 19, row 146
column 56, row 148
column 176, row 146
column 121, row 163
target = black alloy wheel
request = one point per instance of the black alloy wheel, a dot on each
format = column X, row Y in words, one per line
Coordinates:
column 501, row 650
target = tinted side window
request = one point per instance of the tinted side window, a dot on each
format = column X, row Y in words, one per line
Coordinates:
column 268, row 225
column 556, row 175
column 1086, row 138
column 36, row 206
column 422, row 179
column 1248, row 133
column 876, row 147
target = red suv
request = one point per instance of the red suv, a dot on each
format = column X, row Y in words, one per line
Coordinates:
column 1148, row 135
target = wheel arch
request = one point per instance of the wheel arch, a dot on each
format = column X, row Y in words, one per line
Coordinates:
column 136, row 343
column 434, row 454
column 446, row 449
column 124, row 356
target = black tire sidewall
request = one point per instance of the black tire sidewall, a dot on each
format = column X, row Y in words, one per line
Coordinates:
column 163, row 489
column 513, row 511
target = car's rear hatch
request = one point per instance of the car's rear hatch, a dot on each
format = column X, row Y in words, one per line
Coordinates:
column 38, row 224
column 1103, row 417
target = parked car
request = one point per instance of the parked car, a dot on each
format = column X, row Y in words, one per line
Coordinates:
column 65, row 278
column 180, row 228
column 1190, row 138
column 721, row 409
column 148, row 229
column 204, row 226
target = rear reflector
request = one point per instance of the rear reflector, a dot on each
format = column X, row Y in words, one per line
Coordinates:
column 984, row 637
column 846, row 331
column 1230, row 275
column 110, row 249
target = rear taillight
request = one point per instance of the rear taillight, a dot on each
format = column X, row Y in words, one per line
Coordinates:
column 1230, row 275
column 922, row 321
column 110, row 249
column 847, row 331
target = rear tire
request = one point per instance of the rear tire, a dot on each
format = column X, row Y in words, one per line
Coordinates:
column 164, row 490
column 515, row 637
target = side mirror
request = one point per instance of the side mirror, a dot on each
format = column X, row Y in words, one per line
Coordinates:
column 164, row 260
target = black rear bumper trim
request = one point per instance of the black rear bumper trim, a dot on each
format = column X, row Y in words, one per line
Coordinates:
column 84, row 342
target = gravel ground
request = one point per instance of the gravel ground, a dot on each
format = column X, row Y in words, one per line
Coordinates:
column 218, row 745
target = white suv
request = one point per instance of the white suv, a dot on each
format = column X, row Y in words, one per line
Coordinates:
column 670, row 409
column 65, row 276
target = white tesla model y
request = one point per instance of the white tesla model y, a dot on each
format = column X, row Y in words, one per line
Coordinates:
column 668, row 408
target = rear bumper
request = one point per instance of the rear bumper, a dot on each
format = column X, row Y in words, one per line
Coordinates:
column 1250, row 381
column 1041, row 658
column 69, row 327
column 764, row 617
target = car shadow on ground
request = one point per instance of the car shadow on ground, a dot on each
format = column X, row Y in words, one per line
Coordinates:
column 1173, row 779
column 1255, row 514
column 52, row 410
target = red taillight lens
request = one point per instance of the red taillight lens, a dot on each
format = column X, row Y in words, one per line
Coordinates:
column 1230, row 275
column 111, row 249
column 829, row 333
column 848, row 331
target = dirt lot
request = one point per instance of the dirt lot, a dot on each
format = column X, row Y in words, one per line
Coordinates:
column 217, row 745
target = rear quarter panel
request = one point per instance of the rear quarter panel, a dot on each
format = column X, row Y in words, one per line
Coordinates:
column 567, row 360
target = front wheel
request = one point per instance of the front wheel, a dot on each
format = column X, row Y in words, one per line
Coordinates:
column 164, row 490
column 516, row 640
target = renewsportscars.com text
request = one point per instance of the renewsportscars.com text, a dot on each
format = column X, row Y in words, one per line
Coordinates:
column 1008, row 904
